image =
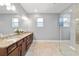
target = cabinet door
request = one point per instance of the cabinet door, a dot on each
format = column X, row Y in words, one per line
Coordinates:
column 20, row 50
column 24, row 48
column 3, row 52
column 14, row 53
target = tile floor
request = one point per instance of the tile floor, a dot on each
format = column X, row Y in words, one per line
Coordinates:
column 50, row 49
column 68, row 50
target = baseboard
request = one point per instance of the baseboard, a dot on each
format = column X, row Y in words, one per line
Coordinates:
column 51, row 40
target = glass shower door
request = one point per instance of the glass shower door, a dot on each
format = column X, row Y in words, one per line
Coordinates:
column 66, row 45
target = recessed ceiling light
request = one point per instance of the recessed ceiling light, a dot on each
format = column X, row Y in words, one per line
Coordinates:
column 10, row 7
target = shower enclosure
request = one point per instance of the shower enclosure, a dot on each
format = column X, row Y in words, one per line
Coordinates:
column 69, row 31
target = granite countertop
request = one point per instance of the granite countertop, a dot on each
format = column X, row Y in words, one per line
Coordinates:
column 10, row 40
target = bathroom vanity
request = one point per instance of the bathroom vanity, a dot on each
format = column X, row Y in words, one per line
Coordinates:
column 17, row 45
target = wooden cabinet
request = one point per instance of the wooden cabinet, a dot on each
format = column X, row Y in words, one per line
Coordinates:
column 14, row 52
column 3, row 52
column 19, row 43
column 24, row 48
column 18, row 48
column 11, row 48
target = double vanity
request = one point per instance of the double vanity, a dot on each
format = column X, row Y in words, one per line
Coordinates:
column 16, row 45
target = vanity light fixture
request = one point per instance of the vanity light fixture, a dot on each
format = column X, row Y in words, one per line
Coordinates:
column 2, row 3
column 9, row 6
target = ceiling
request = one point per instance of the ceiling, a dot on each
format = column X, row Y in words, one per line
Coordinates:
column 39, row 8
column 45, row 7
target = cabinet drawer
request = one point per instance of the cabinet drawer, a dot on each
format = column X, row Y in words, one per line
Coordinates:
column 11, row 48
column 14, row 53
column 26, row 38
column 20, row 42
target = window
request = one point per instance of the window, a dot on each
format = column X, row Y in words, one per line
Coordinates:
column 65, row 20
column 61, row 22
column 15, row 22
column 40, row 22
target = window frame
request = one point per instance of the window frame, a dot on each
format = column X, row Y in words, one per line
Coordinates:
column 62, row 23
column 14, row 23
column 41, row 23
